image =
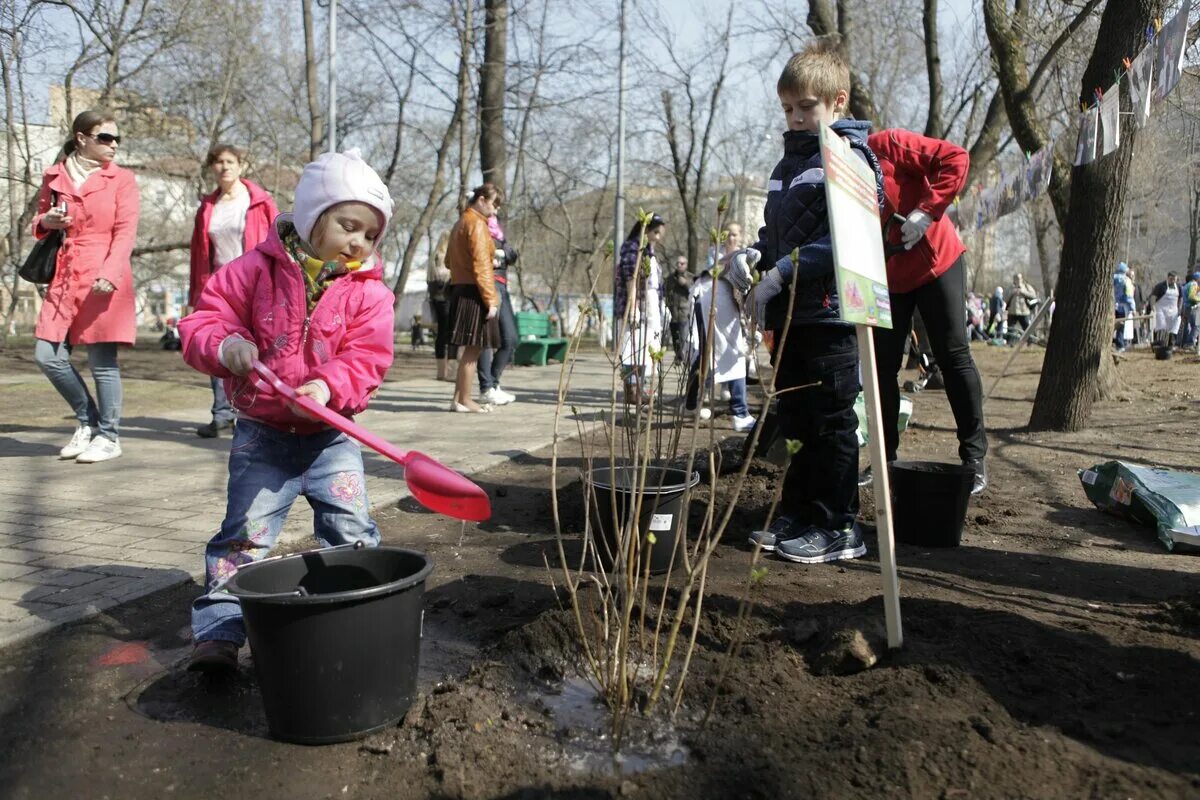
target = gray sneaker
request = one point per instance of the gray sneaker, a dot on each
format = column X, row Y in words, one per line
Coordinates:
column 782, row 529
column 819, row 545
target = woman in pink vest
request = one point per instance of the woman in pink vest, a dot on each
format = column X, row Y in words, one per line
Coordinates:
column 232, row 220
column 90, row 300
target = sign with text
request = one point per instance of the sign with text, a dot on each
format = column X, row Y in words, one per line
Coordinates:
column 858, row 258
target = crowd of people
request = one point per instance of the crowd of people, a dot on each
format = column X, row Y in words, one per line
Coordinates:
column 302, row 293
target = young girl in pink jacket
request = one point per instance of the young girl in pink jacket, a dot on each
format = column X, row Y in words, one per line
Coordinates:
column 309, row 303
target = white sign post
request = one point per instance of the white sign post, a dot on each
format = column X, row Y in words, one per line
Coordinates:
column 863, row 293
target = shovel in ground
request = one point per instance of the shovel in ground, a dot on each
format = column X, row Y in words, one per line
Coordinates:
column 432, row 483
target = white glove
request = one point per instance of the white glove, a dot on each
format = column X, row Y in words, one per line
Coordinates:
column 493, row 311
column 739, row 266
column 238, row 355
column 914, row 228
column 766, row 290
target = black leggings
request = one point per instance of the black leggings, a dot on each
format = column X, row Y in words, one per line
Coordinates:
column 441, row 315
column 941, row 306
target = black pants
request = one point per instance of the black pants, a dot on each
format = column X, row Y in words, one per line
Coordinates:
column 675, row 328
column 490, row 366
column 945, row 318
column 441, row 345
column 821, row 484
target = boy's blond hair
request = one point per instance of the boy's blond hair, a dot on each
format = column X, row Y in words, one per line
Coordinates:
column 820, row 69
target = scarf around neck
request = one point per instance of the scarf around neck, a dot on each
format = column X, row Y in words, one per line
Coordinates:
column 317, row 274
column 79, row 169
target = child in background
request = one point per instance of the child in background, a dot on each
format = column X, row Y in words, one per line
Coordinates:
column 820, row 491
column 310, row 303
column 727, row 356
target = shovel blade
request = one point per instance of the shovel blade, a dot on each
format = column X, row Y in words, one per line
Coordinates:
column 441, row 489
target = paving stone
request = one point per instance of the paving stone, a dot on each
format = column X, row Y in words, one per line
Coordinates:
column 12, row 540
column 49, row 546
column 11, row 555
column 60, row 577
column 8, row 571
column 18, row 609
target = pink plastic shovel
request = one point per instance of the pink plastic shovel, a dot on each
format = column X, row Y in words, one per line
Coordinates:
column 432, row 483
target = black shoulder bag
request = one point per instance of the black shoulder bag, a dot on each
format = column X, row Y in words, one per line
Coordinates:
column 42, row 259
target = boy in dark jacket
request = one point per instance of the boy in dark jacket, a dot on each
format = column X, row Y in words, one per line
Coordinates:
column 820, row 492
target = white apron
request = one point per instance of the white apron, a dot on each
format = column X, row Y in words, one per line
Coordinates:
column 1166, row 311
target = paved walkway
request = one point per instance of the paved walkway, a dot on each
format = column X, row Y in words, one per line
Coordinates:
column 77, row 539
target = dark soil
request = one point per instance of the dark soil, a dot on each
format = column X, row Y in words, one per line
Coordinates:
column 1053, row 654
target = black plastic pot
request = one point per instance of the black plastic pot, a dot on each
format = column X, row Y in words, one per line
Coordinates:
column 336, row 637
column 929, row 502
column 661, row 510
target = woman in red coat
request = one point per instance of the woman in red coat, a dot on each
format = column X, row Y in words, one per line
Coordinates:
column 234, row 219
column 921, row 178
column 90, row 301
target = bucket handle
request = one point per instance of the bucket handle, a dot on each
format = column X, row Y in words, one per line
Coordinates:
column 299, row 591
column 359, row 545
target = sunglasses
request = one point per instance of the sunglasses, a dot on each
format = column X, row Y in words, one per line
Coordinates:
column 105, row 138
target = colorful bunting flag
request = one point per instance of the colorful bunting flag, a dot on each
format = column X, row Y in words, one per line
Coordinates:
column 1085, row 146
column 1141, row 71
column 1172, row 42
column 1110, row 120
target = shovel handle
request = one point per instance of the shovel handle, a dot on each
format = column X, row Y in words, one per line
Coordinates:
column 330, row 418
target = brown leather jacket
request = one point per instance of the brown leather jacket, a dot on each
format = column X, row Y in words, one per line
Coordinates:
column 469, row 255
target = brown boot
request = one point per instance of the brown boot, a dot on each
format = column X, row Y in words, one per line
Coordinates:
column 214, row 657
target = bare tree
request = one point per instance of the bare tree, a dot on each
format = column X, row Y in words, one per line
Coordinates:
column 316, row 114
column 934, row 126
column 689, row 128
column 1077, row 370
column 456, row 125
column 493, row 150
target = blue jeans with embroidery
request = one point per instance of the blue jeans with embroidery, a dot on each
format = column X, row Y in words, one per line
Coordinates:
column 268, row 470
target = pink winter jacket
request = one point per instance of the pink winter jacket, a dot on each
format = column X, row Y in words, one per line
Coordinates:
column 347, row 341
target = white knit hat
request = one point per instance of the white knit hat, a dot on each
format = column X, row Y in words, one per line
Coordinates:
column 338, row 178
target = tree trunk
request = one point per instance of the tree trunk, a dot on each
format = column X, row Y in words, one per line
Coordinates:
column 493, row 155
column 934, row 126
column 466, row 39
column 1078, row 369
column 1043, row 222
column 316, row 130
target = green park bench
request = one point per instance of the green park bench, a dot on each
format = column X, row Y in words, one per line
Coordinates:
column 535, row 345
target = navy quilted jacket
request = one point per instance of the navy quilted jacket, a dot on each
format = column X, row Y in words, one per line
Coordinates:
column 796, row 217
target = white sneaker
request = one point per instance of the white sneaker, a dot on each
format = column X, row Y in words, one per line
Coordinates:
column 79, row 442
column 495, row 397
column 742, row 424
column 506, row 397
column 725, row 393
column 703, row 413
column 101, row 449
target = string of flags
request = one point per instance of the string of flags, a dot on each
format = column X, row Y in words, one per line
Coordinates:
column 1151, row 76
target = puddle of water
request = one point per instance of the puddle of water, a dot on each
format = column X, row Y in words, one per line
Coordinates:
column 578, row 708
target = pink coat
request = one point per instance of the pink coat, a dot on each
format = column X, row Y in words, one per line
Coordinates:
column 259, row 216
column 99, row 244
column 346, row 342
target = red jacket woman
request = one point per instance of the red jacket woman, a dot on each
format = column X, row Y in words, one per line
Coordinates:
column 920, row 174
column 259, row 216
column 95, row 204
column 234, row 219
column 98, row 244
column 921, row 177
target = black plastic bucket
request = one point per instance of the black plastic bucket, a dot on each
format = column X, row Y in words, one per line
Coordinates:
column 336, row 637
column 929, row 502
column 661, row 510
